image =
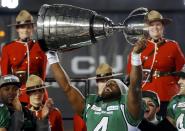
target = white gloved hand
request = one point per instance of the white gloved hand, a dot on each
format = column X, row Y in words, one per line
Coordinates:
column 52, row 57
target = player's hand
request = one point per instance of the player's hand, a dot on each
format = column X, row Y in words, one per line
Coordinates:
column 17, row 104
column 140, row 45
column 47, row 108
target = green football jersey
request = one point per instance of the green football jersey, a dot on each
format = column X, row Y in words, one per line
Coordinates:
column 176, row 110
column 4, row 116
column 108, row 116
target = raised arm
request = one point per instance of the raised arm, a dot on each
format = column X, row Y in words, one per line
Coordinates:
column 134, row 102
column 3, row 129
column 73, row 94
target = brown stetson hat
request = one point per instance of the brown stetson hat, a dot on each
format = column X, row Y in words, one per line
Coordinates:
column 156, row 16
column 34, row 82
column 103, row 71
column 23, row 18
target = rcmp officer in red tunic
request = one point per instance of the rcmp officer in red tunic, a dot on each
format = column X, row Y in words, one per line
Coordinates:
column 35, row 89
column 24, row 56
column 160, row 58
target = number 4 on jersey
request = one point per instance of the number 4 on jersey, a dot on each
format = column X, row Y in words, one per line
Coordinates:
column 102, row 125
column 180, row 122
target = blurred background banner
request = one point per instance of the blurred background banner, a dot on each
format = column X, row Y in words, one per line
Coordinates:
column 82, row 63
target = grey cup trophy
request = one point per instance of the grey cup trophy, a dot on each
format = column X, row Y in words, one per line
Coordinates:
column 66, row 27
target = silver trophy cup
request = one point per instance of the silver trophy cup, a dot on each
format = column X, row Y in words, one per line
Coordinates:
column 65, row 27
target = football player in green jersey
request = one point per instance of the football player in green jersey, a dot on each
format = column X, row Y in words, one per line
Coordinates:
column 112, row 111
column 176, row 107
column 104, row 72
column 13, row 116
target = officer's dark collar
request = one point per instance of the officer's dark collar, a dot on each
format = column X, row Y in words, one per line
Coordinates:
column 36, row 108
column 29, row 106
column 159, row 41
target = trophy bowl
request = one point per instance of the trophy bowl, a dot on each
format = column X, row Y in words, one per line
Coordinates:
column 66, row 27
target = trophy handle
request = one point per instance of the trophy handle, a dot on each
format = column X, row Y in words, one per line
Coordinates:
column 145, row 11
column 135, row 25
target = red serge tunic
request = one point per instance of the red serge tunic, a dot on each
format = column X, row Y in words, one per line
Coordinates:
column 14, row 53
column 169, row 58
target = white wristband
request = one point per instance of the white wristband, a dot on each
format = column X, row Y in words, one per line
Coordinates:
column 52, row 57
column 136, row 59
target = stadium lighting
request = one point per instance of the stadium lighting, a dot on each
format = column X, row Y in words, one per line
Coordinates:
column 10, row 3
column 3, row 3
column 2, row 33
